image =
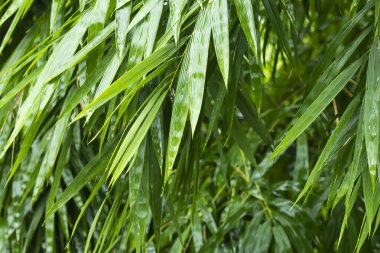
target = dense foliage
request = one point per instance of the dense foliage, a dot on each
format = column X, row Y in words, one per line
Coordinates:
column 189, row 126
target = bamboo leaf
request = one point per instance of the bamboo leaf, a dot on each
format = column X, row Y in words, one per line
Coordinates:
column 93, row 225
column 60, row 56
column 244, row 10
column 132, row 76
column 198, row 53
column 283, row 243
column 91, row 170
column 176, row 8
column 335, row 141
column 312, row 112
column 55, row 7
column 137, row 132
column 276, row 21
column 155, row 189
column 122, row 15
column 220, row 35
column 371, row 111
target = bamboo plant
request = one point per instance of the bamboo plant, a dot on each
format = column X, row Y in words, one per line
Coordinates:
column 189, row 126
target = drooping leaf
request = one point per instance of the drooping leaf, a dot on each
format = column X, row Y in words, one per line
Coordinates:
column 244, row 10
column 220, row 34
column 122, row 15
column 326, row 96
column 198, row 53
column 371, row 110
column 176, row 8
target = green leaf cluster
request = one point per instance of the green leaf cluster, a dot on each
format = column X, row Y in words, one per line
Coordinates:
column 189, row 126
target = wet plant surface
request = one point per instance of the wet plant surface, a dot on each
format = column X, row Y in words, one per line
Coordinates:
column 189, row 126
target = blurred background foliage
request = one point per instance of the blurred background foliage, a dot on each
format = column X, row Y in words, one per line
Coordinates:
column 189, row 126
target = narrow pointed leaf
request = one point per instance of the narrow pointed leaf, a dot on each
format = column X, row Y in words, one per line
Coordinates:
column 322, row 101
column 244, row 10
column 220, row 36
column 371, row 110
column 198, row 63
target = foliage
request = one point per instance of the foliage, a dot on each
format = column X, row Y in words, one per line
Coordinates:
column 194, row 126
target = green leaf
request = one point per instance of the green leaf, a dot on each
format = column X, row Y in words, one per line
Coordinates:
column 21, row 85
column 12, row 9
column 244, row 10
column 76, row 95
column 157, row 134
column 276, row 22
column 22, row 7
column 369, row 196
column 334, row 142
column 122, row 15
column 153, row 25
column 371, row 110
column 353, row 171
column 91, row 170
column 281, row 239
column 94, row 191
column 51, row 155
column 230, row 101
column 288, row 7
column 142, row 210
column 93, row 225
column 296, row 237
column 220, row 34
column 176, row 8
column 49, row 234
column 263, row 237
column 143, row 12
column 256, row 76
column 155, row 189
column 179, row 116
column 60, row 56
column 35, row 222
column 3, row 235
column 82, row 3
column 302, row 159
column 240, row 138
column 349, row 204
column 198, row 53
column 248, row 109
column 136, row 134
column 55, row 8
column 132, row 76
column 319, row 104
column 216, row 109
column 135, row 173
